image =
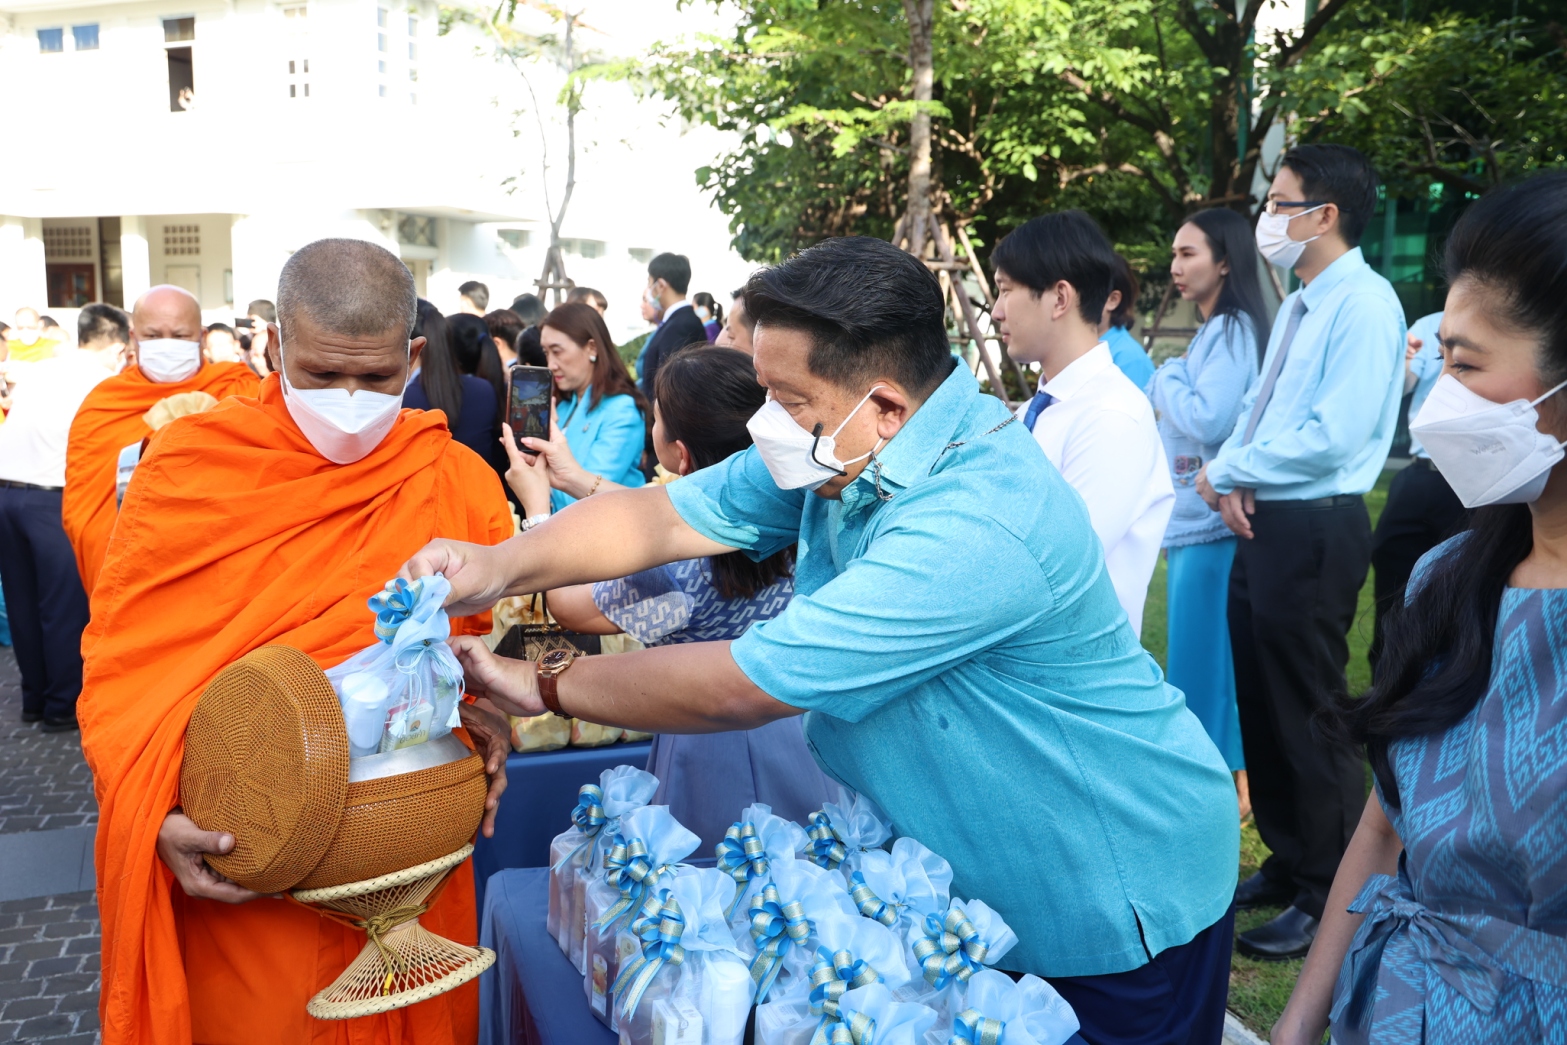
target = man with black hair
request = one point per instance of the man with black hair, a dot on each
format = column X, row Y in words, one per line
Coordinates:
column 473, row 298
column 1053, row 276
column 43, row 591
column 954, row 640
column 738, row 325
column 1313, row 434
column 668, row 277
column 529, row 351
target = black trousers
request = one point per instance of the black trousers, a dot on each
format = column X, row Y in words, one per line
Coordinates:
column 44, row 598
column 1293, row 593
column 1422, row 511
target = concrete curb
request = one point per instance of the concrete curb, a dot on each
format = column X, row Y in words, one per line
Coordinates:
column 1235, row 1032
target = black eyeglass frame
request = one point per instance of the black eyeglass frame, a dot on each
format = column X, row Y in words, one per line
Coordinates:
column 1271, row 208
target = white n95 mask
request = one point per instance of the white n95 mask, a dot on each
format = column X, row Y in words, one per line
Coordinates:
column 1273, row 237
column 794, row 457
column 168, row 360
column 343, row 427
column 1489, row 453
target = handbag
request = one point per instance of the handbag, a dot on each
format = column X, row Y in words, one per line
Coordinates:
column 542, row 634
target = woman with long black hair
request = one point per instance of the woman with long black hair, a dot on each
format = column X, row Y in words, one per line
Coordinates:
column 1447, row 921
column 1214, row 265
column 467, row 401
column 704, row 398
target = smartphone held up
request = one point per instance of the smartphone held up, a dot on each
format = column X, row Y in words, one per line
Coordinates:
column 528, row 403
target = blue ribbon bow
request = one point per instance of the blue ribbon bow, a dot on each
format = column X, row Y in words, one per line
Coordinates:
column 589, row 817
column 775, row 927
column 827, row 849
column 741, row 857
column 950, row 949
column 659, row 926
column 393, row 605
column 831, row 976
column 971, row 1027
column 628, row 869
column 856, row 1029
column 871, row 905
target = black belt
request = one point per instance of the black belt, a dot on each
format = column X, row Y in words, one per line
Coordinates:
column 1343, row 500
column 11, row 484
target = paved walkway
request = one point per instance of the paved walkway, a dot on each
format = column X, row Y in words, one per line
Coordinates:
column 48, row 915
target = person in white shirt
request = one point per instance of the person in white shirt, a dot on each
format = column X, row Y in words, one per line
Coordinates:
column 43, row 589
column 1053, row 275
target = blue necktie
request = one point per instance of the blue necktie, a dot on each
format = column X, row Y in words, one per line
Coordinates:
column 1036, row 406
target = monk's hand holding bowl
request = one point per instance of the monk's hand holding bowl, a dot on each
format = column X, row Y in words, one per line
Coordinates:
column 182, row 846
column 491, row 735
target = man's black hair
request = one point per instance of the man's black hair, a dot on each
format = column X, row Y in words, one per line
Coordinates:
column 1125, row 313
column 870, row 309
column 220, row 326
column 263, row 308
column 46, row 321
column 1067, row 246
column 530, row 308
column 674, row 269
column 1338, row 174
column 102, row 324
column 477, row 293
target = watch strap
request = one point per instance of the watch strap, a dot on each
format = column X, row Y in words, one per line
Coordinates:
column 548, row 694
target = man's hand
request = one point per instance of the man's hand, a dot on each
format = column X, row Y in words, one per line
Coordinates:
column 476, row 572
column 181, row 846
column 511, row 685
column 1237, row 507
column 491, row 735
column 1205, row 489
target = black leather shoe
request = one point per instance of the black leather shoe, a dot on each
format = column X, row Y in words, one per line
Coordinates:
column 32, row 716
column 1287, row 936
column 1261, row 891
column 59, row 725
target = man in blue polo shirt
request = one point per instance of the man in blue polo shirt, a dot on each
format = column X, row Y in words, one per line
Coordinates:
column 954, row 639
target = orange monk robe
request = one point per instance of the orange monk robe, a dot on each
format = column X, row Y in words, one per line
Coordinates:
column 234, row 534
column 108, row 421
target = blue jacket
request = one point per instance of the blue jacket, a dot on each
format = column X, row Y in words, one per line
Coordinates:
column 1198, row 397
column 607, row 440
column 1129, row 355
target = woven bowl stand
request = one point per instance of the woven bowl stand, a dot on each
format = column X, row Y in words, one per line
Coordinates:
column 402, row 962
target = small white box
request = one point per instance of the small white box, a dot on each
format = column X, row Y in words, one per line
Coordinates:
column 676, row 1023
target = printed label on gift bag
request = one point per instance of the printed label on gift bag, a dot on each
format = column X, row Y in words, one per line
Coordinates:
column 600, row 984
column 626, row 949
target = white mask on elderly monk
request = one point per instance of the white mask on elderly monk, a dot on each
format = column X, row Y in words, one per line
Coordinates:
column 794, row 457
column 168, row 360
column 344, row 427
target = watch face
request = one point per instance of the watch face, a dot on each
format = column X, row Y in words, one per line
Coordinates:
column 555, row 658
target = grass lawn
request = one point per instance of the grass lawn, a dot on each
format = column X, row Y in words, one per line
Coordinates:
column 1258, row 990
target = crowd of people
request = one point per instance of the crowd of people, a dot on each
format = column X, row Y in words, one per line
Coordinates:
column 850, row 565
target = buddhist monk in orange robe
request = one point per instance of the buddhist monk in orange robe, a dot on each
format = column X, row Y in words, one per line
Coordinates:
column 237, row 531
column 110, row 419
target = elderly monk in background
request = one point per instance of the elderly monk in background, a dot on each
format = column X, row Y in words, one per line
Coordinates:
column 266, row 520
column 166, row 335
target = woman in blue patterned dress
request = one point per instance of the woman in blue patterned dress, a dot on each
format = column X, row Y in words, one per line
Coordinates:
column 702, row 402
column 1447, row 922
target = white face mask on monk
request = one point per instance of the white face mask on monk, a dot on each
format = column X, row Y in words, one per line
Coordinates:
column 343, row 426
column 168, row 360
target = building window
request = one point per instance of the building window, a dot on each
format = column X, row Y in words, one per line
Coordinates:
column 51, row 41
column 380, row 42
column 296, row 11
column 641, row 255
column 181, row 240
column 516, row 239
column 413, row 26
column 413, row 74
column 413, row 52
column 380, row 67
column 583, row 248
column 68, row 243
column 416, row 231
column 182, row 72
column 85, row 37
column 413, row 99
column 178, row 30
column 380, row 17
column 381, row 89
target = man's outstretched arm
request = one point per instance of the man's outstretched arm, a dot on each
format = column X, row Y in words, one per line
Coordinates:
column 598, row 538
column 690, row 687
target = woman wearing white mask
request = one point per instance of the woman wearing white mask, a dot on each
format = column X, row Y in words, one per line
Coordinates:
column 1448, row 917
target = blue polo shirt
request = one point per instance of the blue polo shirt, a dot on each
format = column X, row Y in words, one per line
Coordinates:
column 963, row 660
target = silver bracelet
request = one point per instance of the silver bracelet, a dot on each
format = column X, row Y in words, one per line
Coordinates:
column 533, row 520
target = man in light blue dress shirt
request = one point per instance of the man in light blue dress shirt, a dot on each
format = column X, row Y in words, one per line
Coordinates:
column 1422, row 511
column 954, row 641
column 1313, row 434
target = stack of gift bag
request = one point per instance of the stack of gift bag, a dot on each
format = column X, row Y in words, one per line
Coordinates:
column 834, row 932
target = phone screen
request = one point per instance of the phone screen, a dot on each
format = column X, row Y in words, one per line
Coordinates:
column 528, row 405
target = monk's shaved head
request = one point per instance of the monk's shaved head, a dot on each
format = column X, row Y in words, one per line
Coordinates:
column 167, row 311
column 347, row 286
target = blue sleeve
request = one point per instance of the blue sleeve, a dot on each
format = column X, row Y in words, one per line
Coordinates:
column 1427, row 364
column 616, row 450
column 1130, row 356
column 736, row 503
column 1346, row 407
column 896, row 617
column 649, row 606
column 1205, row 407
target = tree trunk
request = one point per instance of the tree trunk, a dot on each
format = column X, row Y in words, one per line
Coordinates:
column 921, row 17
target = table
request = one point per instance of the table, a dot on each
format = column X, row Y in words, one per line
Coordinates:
column 529, row 965
column 541, row 791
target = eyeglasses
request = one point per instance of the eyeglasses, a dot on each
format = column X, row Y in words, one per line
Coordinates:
column 1272, row 206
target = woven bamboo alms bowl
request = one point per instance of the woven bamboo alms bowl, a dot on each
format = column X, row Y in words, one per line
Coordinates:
column 367, row 842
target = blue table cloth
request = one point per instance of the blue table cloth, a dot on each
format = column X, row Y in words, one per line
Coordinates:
column 529, row 968
column 541, row 790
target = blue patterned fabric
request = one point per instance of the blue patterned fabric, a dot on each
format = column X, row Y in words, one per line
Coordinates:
column 678, row 603
column 1468, row 944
